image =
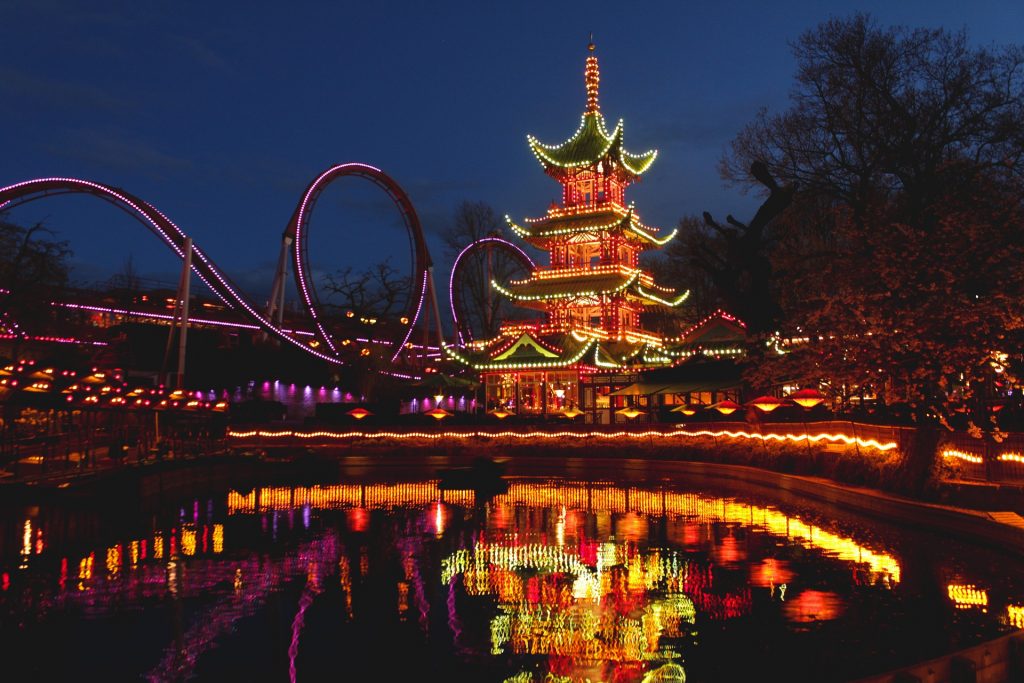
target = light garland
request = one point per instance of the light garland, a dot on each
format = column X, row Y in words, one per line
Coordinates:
column 861, row 442
column 952, row 453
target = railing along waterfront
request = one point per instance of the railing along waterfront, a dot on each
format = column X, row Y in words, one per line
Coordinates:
column 833, row 434
column 963, row 455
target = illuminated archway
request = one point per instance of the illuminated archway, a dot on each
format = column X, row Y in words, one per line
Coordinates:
column 298, row 229
column 454, row 300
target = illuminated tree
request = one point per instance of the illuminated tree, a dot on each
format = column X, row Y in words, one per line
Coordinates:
column 903, row 244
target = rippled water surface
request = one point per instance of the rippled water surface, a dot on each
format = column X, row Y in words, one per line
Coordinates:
column 375, row 574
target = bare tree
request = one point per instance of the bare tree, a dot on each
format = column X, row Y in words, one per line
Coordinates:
column 483, row 308
column 378, row 292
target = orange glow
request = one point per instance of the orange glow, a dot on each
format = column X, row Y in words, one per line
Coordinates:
column 770, row 572
column 882, row 446
column 808, row 398
column 501, row 414
column 359, row 413
column 727, row 407
column 438, row 414
column 629, row 411
column 685, row 409
column 572, row 412
column 767, row 403
column 812, row 605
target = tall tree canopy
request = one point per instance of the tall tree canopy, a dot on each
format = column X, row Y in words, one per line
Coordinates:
column 34, row 270
column 902, row 248
column 483, row 309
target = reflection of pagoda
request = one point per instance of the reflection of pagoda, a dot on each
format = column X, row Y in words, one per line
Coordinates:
column 594, row 289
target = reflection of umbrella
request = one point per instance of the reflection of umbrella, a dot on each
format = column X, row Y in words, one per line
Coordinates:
column 629, row 411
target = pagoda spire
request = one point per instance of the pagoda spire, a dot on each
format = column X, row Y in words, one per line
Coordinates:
column 592, row 79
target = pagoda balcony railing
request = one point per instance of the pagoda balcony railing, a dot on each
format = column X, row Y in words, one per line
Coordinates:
column 549, row 272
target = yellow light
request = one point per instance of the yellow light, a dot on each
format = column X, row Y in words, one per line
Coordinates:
column 767, row 403
column 726, row 407
column 808, row 398
column 501, row 414
column 438, row 414
column 350, row 314
column 629, row 411
column 572, row 412
column 359, row 413
column 685, row 409
column 438, row 398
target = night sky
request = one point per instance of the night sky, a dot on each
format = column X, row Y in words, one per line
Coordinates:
column 219, row 114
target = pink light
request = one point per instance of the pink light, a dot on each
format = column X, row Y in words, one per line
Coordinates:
column 455, row 265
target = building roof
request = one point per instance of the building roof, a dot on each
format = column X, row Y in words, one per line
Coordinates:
column 556, row 225
column 590, row 144
column 594, row 282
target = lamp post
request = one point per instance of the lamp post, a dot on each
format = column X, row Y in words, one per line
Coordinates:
column 807, row 399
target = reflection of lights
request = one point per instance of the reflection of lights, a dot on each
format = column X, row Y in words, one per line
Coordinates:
column 770, row 572
column 188, row 540
column 629, row 412
column 1015, row 615
column 439, row 515
column 967, row 595
column 573, row 496
column 438, row 414
column 218, row 538
column 114, row 560
column 359, row 413
column 813, row 605
column 572, row 412
column 158, row 546
column 26, row 539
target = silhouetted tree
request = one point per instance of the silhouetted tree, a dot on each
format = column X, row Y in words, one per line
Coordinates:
column 34, row 272
column 483, row 308
column 902, row 248
column 377, row 292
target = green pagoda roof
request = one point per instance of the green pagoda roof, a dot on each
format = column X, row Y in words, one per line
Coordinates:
column 577, row 285
column 590, row 144
column 608, row 219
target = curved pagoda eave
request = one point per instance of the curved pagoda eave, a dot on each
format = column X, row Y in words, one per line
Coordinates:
column 590, row 144
column 540, row 231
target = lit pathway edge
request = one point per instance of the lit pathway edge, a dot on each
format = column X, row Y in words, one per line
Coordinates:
column 328, row 436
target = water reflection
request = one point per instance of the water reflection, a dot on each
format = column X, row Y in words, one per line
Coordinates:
column 556, row 580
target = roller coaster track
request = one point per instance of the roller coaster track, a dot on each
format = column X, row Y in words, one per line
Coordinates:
column 294, row 237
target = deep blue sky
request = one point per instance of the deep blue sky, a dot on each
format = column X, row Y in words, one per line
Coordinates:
column 219, row 114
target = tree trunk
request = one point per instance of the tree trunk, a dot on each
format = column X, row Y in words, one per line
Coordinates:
column 917, row 472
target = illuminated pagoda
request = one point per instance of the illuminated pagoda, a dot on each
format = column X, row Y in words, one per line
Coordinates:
column 592, row 291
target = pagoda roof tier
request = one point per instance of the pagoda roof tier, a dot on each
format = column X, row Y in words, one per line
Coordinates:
column 590, row 144
column 539, row 231
column 529, row 351
column 576, row 283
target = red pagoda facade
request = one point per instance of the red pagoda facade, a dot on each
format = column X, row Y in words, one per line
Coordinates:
column 593, row 289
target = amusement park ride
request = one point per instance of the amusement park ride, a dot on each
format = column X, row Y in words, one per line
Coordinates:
column 591, row 292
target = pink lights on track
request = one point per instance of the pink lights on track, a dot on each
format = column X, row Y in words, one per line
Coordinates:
column 214, row 278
